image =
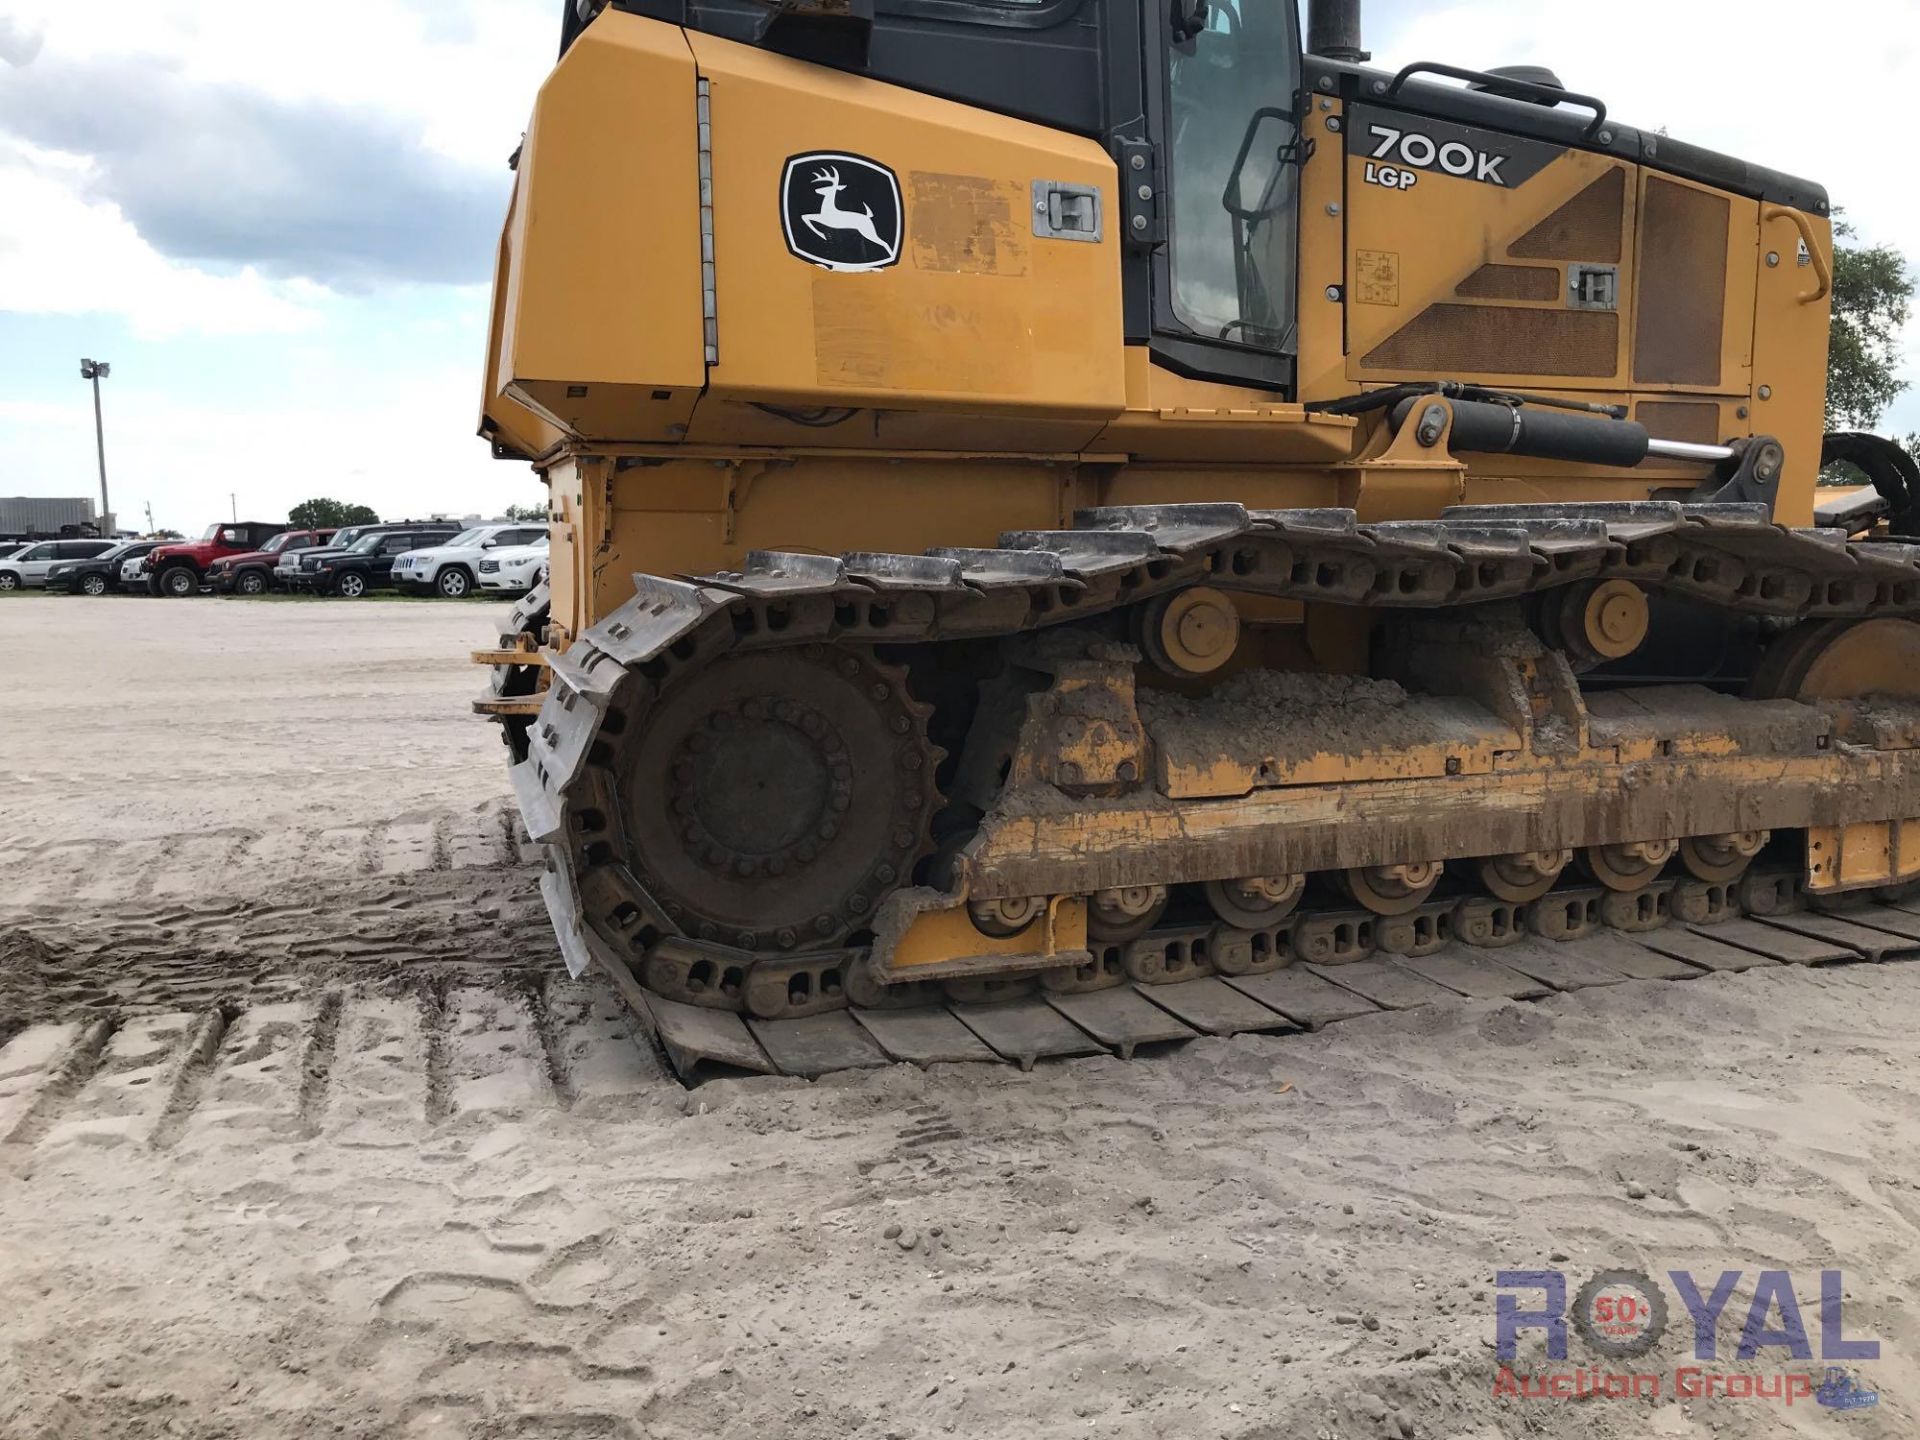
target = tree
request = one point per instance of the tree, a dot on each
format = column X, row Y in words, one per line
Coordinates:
column 329, row 515
column 1872, row 299
column 527, row 514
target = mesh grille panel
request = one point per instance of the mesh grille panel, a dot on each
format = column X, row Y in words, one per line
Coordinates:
column 1587, row 227
column 1511, row 282
column 1683, row 285
column 1697, row 424
column 1467, row 340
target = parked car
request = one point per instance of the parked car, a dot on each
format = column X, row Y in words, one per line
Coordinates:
column 286, row 570
column 180, row 569
column 253, row 572
column 292, row 567
column 514, row 570
column 100, row 575
column 27, row 569
column 450, row 570
column 368, row 565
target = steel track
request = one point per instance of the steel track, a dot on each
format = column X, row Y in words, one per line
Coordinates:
column 1732, row 557
column 1194, row 999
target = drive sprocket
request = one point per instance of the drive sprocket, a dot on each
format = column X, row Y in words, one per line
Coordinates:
column 773, row 799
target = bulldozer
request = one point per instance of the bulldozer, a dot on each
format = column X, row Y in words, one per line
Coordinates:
column 1069, row 503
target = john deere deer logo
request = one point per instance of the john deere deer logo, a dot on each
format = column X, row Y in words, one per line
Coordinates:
column 841, row 212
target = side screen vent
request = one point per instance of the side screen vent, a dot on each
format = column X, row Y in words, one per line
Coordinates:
column 1683, row 285
column 1694, row 422
column 1511, row 282
column 1587, row 227
column 1499, row 340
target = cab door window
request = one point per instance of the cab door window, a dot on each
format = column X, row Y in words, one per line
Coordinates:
column 1235, row 156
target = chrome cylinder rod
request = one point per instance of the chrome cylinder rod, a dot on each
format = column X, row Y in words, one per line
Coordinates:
column 1683, row 450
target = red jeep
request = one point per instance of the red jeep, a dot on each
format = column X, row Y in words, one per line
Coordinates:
column 252, row 573
column 179, row 570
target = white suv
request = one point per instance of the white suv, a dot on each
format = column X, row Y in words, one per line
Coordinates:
column 515, row 570
column 28, row 568
column 451, row 569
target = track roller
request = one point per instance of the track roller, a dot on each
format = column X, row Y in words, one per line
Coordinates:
column 1258, row 902
column 1629, row 867
column 1602, row 622
column 1720, row 859
column 1192, row 633
column 1392, row 889
column 1126, row 913
column 1006, row 917
column 1524, row 877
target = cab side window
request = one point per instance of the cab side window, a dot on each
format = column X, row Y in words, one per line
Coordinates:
column 1236, row 154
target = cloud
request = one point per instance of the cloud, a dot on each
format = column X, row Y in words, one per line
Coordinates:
column 19, row 41
column 357, row 144
column 221, row 173
column 459, row 74
column 1744, row 88
column 1749, row 80
column 61, row 253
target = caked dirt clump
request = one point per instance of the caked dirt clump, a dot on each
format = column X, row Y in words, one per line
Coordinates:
column 1287, row 717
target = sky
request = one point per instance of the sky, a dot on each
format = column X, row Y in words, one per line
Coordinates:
column 277, row 223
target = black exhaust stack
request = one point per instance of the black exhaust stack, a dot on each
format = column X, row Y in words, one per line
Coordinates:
column 1333, row 30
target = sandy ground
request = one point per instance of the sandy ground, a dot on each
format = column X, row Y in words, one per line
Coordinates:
column 301, row 1134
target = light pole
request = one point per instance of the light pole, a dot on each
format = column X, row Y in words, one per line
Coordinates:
column 96, row 372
